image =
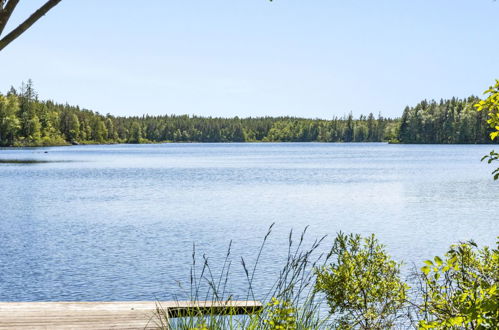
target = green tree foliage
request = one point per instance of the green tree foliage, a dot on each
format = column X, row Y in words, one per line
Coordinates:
column 461, row 291
column 135, row 133
column 492, row 157
column 447, row 121
column 9, row 121
column 27, row 121
column 70, row 126
column 362, row 284
column 491, row 106
column 98, row 132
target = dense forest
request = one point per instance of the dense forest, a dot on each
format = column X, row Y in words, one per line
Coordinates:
column 27, row 121
column 447, row 121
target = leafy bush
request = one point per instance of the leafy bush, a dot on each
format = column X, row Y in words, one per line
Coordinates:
column 491, row 105
column 362, row 284
column 280, row 315
column 461, row 290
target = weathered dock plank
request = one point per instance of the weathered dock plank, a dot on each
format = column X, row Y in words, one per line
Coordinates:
column 109, row 315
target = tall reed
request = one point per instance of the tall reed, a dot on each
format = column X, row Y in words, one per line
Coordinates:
column 290, row 298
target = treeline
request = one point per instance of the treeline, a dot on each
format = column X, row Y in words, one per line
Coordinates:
column 27, row 121
column 447, row 121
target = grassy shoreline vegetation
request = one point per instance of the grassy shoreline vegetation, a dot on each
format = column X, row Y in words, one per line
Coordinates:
column 352, row 284
column 27, row 121
column 357, row 285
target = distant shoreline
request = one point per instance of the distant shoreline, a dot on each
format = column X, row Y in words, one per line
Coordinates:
column 230, row 142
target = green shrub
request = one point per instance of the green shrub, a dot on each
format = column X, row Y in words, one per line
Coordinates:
column 362, row 284
column 461, row 291
column 491, row 105
column 281, row 315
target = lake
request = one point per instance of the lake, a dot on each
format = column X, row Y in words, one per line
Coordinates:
column 118, row 222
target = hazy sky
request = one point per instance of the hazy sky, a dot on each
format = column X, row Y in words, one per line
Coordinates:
column 310, row 58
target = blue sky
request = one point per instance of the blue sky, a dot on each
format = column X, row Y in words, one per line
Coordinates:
column 309, row 58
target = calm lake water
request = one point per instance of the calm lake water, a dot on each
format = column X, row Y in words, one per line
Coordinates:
column 119, row 222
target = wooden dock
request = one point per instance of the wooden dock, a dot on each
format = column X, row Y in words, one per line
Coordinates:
column 110, row 315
